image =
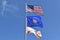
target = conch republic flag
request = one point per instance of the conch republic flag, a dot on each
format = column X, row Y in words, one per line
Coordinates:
column 34, row 31
column 34, row 9
column 34, row 21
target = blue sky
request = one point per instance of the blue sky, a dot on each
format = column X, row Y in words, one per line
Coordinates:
column 12, row 22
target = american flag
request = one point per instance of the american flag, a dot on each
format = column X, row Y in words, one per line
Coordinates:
column 34, row 9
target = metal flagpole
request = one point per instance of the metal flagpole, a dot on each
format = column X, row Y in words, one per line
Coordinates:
column 25, row 19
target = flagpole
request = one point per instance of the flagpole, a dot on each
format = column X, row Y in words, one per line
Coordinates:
column 25, row 19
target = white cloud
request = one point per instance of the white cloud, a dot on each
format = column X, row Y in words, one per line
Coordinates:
column 4, row 5
column 8, row 7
